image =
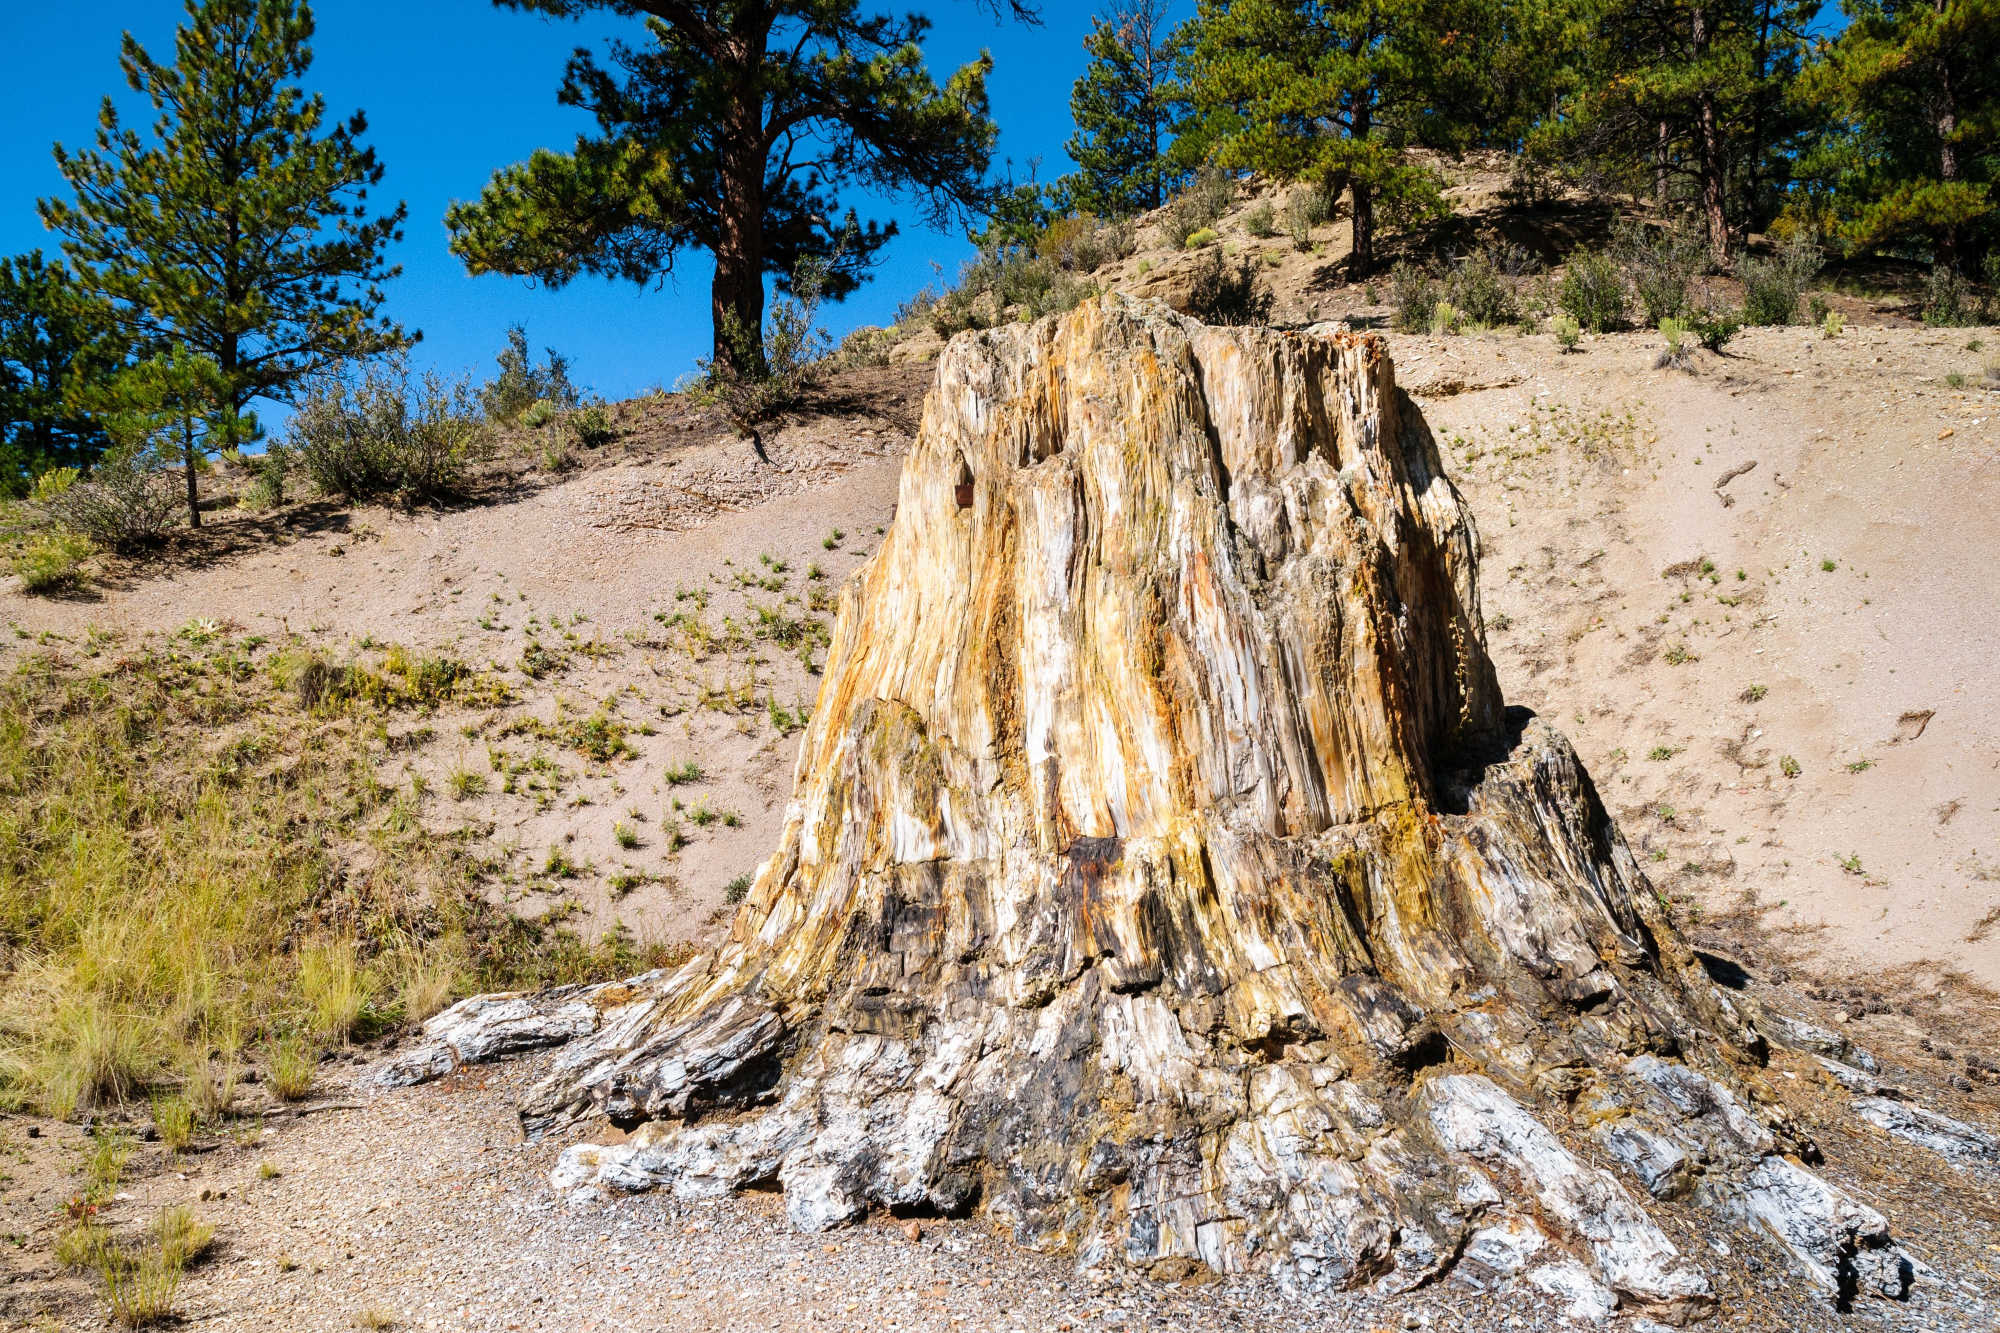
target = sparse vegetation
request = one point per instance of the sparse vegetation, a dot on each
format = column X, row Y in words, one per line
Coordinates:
column 387, row 435
column 1593, row 291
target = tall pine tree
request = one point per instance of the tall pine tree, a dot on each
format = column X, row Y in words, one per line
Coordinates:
column 1914, row 154
column 1337, row 91
column 55, row 342
column 733, row 128
column 239, row 229
column 1123, row 106
column 1690, row 100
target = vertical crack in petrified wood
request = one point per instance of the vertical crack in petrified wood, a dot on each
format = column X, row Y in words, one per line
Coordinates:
column 1166, row 880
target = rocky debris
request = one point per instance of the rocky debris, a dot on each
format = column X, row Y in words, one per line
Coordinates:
column 1788, row 1030
column 484, row 1028
column 1163, row 861
column 1943, row 1135
column 1843, row 1245
column 1631, row 1255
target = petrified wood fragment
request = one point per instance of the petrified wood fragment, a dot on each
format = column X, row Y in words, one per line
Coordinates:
column 1166, row 880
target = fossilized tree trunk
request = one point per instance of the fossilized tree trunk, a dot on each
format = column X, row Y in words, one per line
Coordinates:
column 1166, row 879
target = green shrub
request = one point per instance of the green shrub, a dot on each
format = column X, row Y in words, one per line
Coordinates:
column 1261, row 221
column 1775, row 288
column 1444, row 319
column 1206, row 236
column 1081, row 243
column 129, row 500
column 1831, row 324
column 1716, row 326
column 267, row 480
column 1675, row 355
column 1224, row 291
column 1593, row 291
column 867, row 346
column 592, row 426
column 521, row 384
column 540, row 413
column 1414, row 291
column 389, row 436
column 50, row 561
column 1205, row 199
column 1662, row 264
column 1949, row 301
column 1479, row 291
column 1567, row 331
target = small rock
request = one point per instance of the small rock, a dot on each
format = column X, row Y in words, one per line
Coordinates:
column 912, row 1232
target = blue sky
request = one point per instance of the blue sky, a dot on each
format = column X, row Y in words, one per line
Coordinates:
column 456, row 88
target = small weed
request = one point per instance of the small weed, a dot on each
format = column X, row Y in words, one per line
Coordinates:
column 734, row 891
column 681, row 775
column 174, row 1122
column 1667, row 814
column 1660, row 753
column 374, row 1318
column 1955, row 380
column 292, row 1070
column 627, row 836
column 182, row 1236
column 1789, row 766
column 1861, row 766
column 1851, row 863
column 1678, row 655
column 1752, row 693
column 466, row 784
column 267, row 1170
column 141, row 1290
column 1826, row 565
column 559, row 866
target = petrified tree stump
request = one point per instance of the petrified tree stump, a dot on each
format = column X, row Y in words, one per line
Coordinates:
column 1166, row 880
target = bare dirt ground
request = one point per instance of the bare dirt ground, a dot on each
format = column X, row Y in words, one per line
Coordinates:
column 1779, row 677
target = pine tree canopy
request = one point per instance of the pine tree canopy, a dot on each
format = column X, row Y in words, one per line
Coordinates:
column 1305, row 89
column 239, row 228
column 733, row 129
column 53, row 340
column 1123, row 106
column 1915, row 151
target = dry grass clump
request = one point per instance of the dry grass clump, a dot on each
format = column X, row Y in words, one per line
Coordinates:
column 179, row 888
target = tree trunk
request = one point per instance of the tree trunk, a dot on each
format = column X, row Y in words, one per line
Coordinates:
column 737, row 294
column 1947, row 129
column 1708, row 137
column 1660, row 160
column 192, row 459
column 1361, row 261
column 1165, row 880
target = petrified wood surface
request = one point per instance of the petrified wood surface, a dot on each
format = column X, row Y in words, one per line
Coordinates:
column 1166, row 880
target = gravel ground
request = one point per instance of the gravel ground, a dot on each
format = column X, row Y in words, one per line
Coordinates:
column 425, row 1209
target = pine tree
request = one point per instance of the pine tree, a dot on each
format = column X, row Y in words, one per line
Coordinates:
column 1689, row 93
column 732, row 129
column 1336, row 91
column 54, row 343
column 1914, row 154
column 239, row 228
column 1124, row 108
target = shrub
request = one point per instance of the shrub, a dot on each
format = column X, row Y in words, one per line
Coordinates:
column 540, row 413
column 521, row 384
column 1415, row 293
column 1261, row 221
column 1568, row 332
column 1206, row 236
column 1206, row 198
column 387, row 435
column 1675, row 355
column 1716, row 326
column 174, row 1120
column 592, row 426
column 1662, row 263
column 1306, row 207
column 292, row 1070
column 1081, row 243
column 1224, row 291
column 1773, row 289
column 1476, row 288
column 1444, row 319
column 50, row 561
column 1831, row 324
column 1948, row 299
column 128, row 501
column 268, row 474
column 866, row 346
column 1593, row 291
